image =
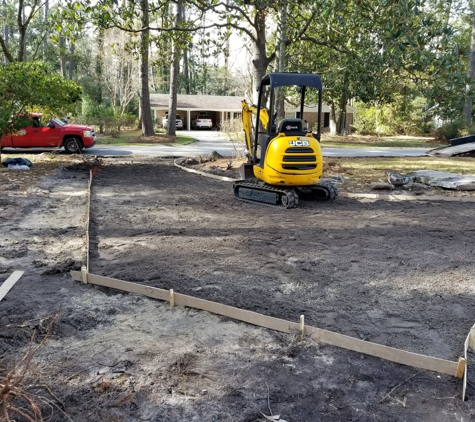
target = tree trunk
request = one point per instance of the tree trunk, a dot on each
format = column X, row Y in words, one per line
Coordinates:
column 99, row 58
column 172, row 103
column 62, row 58
column 186, row 70
column 341, row 122
column 72, row 48
column 226, row 53
column 467, row 109
column 153, row 82
column 45, row 20
column 333, row 120
column 22, row 32
column 258, row 50
column 22, row 23
column 280, row 59
column 174, row 69
column 5, row 30
column 147, row 123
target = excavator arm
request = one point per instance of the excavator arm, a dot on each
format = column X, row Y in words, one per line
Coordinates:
column 248, row 111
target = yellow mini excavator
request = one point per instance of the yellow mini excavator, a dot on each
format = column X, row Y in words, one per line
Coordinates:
column 284, row 156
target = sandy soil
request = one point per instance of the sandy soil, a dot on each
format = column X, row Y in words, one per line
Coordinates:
column 395, row 273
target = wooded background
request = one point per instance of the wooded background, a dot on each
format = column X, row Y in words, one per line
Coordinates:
column 404, row 64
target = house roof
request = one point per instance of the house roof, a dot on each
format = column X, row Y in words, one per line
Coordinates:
column 325, row 109
column 197, row 102
column 216, row 103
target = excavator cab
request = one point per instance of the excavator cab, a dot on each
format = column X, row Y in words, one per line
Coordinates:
column 284, row 157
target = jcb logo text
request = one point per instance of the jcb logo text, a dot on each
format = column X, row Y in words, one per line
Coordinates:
column 299, row 143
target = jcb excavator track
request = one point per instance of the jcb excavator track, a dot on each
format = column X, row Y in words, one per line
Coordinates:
column 260, row 193
column 319, row 192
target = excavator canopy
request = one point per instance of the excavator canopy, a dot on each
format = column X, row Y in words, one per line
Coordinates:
column 276, row 80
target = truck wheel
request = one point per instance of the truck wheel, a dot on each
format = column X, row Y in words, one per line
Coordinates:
column 72, row 145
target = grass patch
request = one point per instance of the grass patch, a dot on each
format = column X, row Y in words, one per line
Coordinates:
column 184, row 140
column 356, row 141
column 350, row 141
column 360, row 172
column 54, row 157
column 135, row 138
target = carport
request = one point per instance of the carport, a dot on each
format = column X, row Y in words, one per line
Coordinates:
column 219, row 108
column 227, row 109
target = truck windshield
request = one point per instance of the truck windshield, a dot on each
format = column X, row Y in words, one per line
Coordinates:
column 58, row 122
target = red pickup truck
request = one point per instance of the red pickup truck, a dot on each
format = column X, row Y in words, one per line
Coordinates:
column 55, row 134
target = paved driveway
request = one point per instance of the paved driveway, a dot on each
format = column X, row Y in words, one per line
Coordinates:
column 206, row 142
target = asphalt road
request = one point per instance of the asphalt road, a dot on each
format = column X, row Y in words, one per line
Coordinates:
column 209, row 141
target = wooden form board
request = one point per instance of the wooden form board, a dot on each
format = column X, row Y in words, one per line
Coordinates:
column 9, row 283
column 336, row 339
column 469, row 343
column 203, row 173
column 88, row 218
column 121, row 285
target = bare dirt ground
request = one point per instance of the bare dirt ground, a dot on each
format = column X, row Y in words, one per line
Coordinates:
column 395, row 273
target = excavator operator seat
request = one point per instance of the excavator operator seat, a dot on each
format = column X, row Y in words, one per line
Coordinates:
column 291, row 127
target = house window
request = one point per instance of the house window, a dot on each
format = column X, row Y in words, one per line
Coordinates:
column 326, row 119
column 237, row 115
column 290, row 114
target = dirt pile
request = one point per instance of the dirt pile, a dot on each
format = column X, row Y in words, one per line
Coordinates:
column 395, row 273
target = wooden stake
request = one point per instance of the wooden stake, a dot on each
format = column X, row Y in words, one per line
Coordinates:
column 172, row 298
column 461, row 367
column 84, row 275
column 302, row 326
column 464, row 384
column 88, row 222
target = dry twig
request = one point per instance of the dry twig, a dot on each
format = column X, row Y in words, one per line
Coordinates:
column 397, row 386
column 268, row 399
column 12, row 388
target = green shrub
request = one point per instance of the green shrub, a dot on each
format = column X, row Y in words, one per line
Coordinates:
column 454, row 129
column 102, row 116
column 403, row 116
